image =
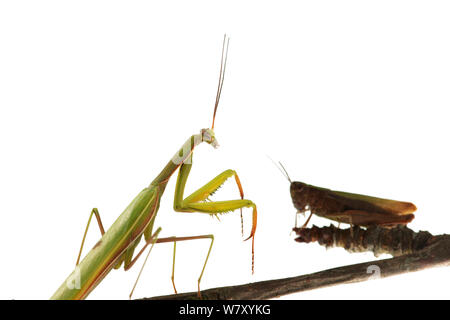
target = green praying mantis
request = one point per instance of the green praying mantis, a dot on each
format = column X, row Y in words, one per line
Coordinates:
column 117, row 245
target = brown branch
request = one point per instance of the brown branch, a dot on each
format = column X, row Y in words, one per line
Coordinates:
column 435, row 253
column 395, row 241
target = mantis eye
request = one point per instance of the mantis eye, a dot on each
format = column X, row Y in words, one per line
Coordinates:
column 209, row 137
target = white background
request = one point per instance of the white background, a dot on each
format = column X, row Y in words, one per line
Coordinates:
column 96, row 96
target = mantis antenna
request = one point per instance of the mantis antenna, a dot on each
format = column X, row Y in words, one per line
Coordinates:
column 223, row 64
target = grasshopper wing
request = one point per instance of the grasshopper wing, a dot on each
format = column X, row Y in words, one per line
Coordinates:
column 372, row 204
column 365, row 218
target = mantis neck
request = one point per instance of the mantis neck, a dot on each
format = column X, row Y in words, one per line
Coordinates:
column 177, row 160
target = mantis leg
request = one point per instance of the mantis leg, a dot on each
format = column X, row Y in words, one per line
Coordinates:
column 154, row 239
column 198, row 201
column 100, row 225
column 174, row 240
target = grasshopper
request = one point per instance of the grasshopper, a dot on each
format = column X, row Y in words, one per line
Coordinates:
column 346, row 207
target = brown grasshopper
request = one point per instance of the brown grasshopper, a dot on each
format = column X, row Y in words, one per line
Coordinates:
column 352, row 208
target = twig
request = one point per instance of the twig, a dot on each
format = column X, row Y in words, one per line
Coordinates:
column 395, row 241
column 435, row 253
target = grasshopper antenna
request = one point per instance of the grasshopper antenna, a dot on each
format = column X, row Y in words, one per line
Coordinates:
column 285, row 172
column 223, row 64
column 280, row 167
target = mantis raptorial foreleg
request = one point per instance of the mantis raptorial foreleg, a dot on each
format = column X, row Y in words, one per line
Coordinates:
column 196, row 201
column 100, row 225
column 208, row 190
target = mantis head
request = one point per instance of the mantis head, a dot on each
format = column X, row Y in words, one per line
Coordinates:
column 209, row 137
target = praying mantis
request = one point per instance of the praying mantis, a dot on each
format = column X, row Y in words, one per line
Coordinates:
column 117, row 245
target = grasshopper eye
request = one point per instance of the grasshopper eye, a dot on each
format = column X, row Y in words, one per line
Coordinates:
column 297, row 186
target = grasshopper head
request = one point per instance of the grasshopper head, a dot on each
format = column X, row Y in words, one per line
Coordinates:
column 297, row 187
column 299, row 195
column 209, row 137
